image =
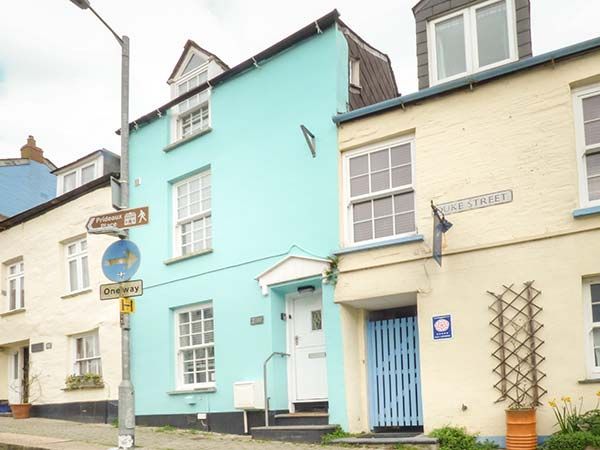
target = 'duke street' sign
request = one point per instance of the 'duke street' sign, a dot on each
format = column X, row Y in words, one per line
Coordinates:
column 125, row 218
column 132, row 288
column 481, row 201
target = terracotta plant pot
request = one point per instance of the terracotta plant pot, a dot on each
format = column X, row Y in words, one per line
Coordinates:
column 521, row 433
column 20, row 410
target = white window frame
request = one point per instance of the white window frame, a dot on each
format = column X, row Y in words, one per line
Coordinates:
column 78, row 257
column 177, row 113
column 354, row 72
column 348, row 200
column 179, row 383
column 19, row 278
column 98, row 356
column 78, row 176
column 582, row 149
column 178, row 223
column 471, row 53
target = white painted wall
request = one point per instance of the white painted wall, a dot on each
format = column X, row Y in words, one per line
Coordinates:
column 50, row 316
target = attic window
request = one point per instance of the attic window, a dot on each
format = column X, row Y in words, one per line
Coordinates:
column 471, row 40
column 354, row 72
column 192, row 64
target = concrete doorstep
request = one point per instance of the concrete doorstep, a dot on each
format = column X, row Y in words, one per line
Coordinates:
column 29, row 442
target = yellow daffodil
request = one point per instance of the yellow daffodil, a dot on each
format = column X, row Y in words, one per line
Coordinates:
column 566, row 399
column 552, row 403
column 598, row 394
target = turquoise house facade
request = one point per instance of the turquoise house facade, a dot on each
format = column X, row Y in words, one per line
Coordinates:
column 243, row 217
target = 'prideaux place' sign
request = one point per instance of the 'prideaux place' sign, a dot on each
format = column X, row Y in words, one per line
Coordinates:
column 480, row 201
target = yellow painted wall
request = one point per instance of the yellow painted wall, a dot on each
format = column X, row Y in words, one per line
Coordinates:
column 515, row 133
column 49, row 317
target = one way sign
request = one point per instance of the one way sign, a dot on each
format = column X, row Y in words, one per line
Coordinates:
column 133, row 288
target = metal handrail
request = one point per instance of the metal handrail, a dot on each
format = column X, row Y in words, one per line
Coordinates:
column 265, row 383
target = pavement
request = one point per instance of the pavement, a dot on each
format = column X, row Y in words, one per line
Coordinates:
column 46, row 434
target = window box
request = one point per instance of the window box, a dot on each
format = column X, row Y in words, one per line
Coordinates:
column 85, row 381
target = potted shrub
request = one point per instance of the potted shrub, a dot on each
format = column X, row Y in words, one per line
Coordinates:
column 85, row 381
column 23, row 410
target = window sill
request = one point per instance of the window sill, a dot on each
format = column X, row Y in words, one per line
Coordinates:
column 583, row 212
column 374, row 245
column 80, row 388
column 590, row 381
column 205, row 390
column 179, row 142
column 176, row 259
column 12, row 312
column 76, row 293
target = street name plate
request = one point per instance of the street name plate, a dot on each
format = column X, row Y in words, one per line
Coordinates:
column 133, row 288
column 480, row 201
column 126, row 218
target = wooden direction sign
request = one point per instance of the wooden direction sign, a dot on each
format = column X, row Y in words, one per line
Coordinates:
column 133, row 288
column 126, row 218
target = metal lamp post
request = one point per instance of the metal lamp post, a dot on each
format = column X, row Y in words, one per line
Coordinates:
column 126, row 395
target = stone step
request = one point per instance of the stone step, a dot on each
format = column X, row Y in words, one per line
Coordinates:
column 302, row 418
column 292, row 433
column 420, row 442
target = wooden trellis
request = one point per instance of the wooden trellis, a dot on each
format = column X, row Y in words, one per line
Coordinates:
column 516, row 336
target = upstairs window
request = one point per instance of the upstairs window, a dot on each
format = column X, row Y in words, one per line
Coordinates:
column 15, row 282
column 77, row 266
column 587, row 125
column 192, row 211
column 473, row 39
column 381, row 199
column 87, row 355
column 77, row 177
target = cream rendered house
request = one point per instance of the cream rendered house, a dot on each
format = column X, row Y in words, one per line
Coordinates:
column 509, row 151
column 52, row 323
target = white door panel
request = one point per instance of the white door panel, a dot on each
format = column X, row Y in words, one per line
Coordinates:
column 310, row 358
column 15, row 376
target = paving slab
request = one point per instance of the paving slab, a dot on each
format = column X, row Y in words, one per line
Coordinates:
column 63, row 435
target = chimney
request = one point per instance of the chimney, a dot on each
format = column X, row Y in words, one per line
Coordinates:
column 32, row 152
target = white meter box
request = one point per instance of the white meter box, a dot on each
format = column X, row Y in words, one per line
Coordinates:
column 248, row 395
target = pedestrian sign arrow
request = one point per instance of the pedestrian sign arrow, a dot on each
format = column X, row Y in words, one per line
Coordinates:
column 126, row 218
column 121, row 260
column 133, row 288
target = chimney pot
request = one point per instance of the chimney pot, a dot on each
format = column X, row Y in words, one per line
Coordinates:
column 32, row 151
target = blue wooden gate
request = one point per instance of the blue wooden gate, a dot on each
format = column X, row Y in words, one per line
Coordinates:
column 394, row 374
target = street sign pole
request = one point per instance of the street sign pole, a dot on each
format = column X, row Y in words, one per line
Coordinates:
column 126, row 392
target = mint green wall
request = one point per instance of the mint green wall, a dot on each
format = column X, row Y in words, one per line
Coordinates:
column 268, row 194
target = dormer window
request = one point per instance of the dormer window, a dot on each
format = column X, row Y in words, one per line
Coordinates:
column 354, row 72
column 77, row 177
column 470, row 40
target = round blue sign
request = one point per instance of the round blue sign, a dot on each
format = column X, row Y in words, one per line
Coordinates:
column 121, row 260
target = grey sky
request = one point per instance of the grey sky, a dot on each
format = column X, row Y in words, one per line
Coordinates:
column 60, row 69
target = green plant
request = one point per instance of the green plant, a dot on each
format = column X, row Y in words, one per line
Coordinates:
column 454, row 438
column 578, row 440
column 567, row 414
column 115, row 423
column 166, row 429
column 85, row 380
column 330, row 275
column 590, row 421
column 338, row 433
column 405, row 447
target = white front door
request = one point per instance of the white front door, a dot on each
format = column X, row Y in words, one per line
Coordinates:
column 15, row 376
column 309, row 360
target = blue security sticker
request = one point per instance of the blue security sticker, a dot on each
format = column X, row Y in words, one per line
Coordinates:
column 442, row 327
